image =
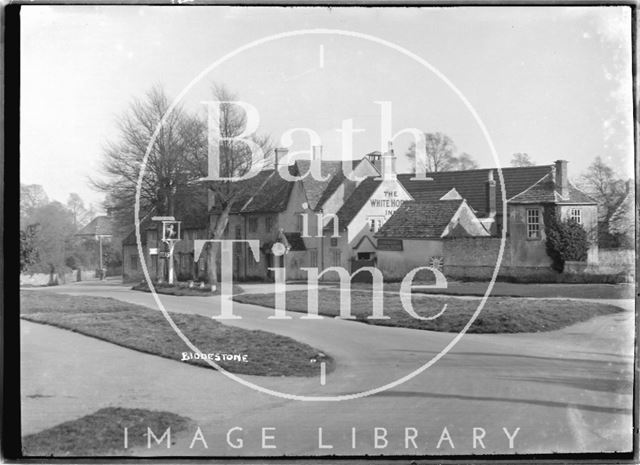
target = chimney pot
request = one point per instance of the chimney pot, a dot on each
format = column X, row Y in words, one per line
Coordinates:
column 490, row 194
column 317, row 152
column 280, row 153
column 389, row 164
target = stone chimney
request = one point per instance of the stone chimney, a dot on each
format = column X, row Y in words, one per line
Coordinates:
column 490, row 195
column 562, row 178
column 389, row 164
column 280, row 154
column 317, row 152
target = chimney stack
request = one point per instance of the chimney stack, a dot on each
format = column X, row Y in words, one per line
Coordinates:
column 280, row 154
column 490, row 195
column 389, row 164
column 562, row 179
column 317, row 152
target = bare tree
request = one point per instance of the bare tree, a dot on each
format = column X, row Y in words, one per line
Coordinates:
column 602, row 183
column 440, row 151
column 521, row 159
column 464, row 161
column 81, row 215
column 235, row 160
column 32, row 196
column 168, row 168
column 441, row 154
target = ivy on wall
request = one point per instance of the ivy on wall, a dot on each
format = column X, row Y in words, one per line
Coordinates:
column 566, row 240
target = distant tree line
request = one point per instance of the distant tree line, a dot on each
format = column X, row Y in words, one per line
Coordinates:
column 47, row 234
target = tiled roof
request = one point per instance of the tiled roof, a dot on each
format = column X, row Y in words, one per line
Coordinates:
column 315, row 189
column 355, row 202
column 545, row 191
column 99, row 226
column 145, row 225
column 266, row 192
column 333, row 183
column 420, row 219
column 295, row 241
column 471, row 184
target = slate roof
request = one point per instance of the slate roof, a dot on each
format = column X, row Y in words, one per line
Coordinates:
column 355, row 202
column 295, row 241
column 420, row 219
column 545, row 191
column 471, row 184
column 331, row 185
column 145, row 225
column 99, row 226
column 266, row 192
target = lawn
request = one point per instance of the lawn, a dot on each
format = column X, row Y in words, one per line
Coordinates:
column 181, row 289
column 146, row 330
column 500, row 315
column 102, row 433
column 501, row 289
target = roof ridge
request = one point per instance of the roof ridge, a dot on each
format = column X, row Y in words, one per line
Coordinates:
column 481, row 169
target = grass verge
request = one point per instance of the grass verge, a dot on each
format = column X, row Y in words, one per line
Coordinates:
column 501, row 289
column 102, row 433
column 183, row 289
column 500, row 315
column 146, row 330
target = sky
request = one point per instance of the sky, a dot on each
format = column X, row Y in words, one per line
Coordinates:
column 554, row 82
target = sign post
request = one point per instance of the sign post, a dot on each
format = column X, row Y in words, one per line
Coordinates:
column 170, row 235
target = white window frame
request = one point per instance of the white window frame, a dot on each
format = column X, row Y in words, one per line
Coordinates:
column 533, row 227
column 576, row 214
column 375, row 223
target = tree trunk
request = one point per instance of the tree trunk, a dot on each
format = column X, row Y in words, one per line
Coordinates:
column 216, row 231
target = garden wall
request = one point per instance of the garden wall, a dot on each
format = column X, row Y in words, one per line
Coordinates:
column 476, row 258
column 44, row 279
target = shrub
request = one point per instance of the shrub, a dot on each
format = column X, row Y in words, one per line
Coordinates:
column 566, row 240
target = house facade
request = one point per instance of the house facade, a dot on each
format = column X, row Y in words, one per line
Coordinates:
column 374, row 216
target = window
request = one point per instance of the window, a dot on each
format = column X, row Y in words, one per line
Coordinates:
column 239, row 232
column 268, row 223
column 300, row 219
column 334, row 242
column 134, row 262
column 313, row 258
column 533, row 223
column 253, row 224
column 335, row 257
column 375, row 223
column 575, row 214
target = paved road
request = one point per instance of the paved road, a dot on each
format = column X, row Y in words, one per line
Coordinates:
column 567, row 391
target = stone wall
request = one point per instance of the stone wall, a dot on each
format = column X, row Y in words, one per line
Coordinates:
column 44, row 279
column 476, row 258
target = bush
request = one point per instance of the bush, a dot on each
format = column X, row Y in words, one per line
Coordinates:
column 566, row 240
